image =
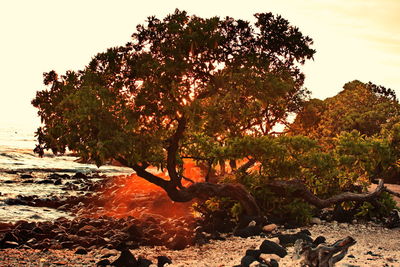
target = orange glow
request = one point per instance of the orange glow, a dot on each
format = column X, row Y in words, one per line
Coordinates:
column 138, row 198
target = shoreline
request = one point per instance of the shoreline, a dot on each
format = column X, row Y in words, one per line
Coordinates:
column 376, row 246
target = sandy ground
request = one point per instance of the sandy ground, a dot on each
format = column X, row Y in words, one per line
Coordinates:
column 376, row 246
column 382, row 243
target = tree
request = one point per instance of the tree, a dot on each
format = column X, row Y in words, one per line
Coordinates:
column 365, row 107
column 182, row 86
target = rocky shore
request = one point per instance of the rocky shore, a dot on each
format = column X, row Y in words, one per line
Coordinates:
column 113, row 217
column 376, row 246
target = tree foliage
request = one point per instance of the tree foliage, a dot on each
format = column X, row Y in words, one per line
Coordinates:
column 182, row 80
column 365, row 107
column 349, row 165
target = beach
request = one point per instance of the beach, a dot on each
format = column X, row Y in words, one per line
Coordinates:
column 58, row 186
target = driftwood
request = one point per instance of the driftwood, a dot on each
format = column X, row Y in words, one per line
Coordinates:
column 323, row 255
column 299, row 189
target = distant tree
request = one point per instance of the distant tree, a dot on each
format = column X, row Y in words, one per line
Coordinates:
column 365, row 107
column 182, row 86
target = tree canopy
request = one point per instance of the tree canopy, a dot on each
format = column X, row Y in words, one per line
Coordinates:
column 365, row 107
column 182, row 80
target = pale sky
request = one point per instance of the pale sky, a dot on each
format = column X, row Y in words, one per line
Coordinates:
column 354, row 39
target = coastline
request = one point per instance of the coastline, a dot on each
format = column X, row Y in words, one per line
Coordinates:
column 376, row 246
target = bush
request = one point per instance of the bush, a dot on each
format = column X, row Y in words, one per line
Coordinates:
column 217, row 214
column 378, row 209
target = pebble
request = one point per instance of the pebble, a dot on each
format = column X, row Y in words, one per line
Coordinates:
column 316, row 220
column 269, row 228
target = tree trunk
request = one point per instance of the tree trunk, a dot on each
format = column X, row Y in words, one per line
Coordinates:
column 206, row 190
column 199, row 190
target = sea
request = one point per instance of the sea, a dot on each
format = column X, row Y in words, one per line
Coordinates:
column 17, row 158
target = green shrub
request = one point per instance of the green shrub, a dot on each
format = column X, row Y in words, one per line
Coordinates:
column 382, row 207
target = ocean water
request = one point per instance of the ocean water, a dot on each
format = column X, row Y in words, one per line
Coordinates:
column 17, row 158
column 16, row 154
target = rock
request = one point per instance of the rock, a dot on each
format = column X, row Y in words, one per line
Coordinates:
column 290, row 239
column 269, row 228
column 316, row 220
column 269, row 247
column 108, row 255
column 31, row 241
column 9, row 182
column 58, row 182
column 79, row 175
column 178, row 242
column 10, row 244
column 134, row 232
column 247, row 260
column 372, row 254
column 45, row 181
column 319, row 240
column 25, row 176
column 248, row 231
column 87, row 228
column 25, row 225
column 103, row 262
column 64, row 207
column 162, row 260
column 252, row 223
column 8, row 236
column 37, row 230
column 67, row 244
column 81, row 251
column 125, row 259
column 254, row 253
column 142, row 262
column 15, row 201
column 217, row 236
column 273, row 263
column 56, row 176
column 245, row 221
column 23, row 234
column 305, row 231
column 274, row 239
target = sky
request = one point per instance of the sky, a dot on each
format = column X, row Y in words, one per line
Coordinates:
column 354, row 39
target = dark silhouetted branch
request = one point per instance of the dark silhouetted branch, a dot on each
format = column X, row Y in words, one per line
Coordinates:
column 392, row 192
column 246, row 166
column 141, row 171
column 300, row 190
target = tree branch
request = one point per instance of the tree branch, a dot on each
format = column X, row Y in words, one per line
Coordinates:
column 300, row 190
column 141, row 171
column 246, row 166
column 392, row 192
